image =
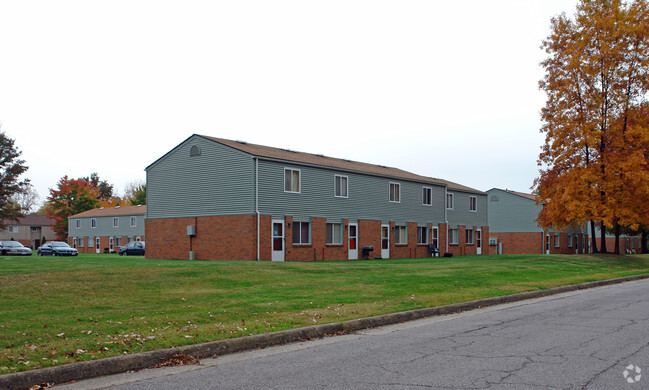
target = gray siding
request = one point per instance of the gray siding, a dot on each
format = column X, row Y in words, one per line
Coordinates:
column 368, row 196
column 220, row 181
column 510, row 213
column 105, row 227
column 461, row 215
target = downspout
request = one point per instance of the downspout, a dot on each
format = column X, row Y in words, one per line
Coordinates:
column 257, row 204
column 446, row 214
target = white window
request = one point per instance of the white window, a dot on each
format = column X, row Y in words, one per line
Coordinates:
column 395, row 192
column 473, row 203
column 569, row 240
column 401, row 235
column 115, row 222
column 291, row 180
column 80, row 242
column 427, row 196
column 334, row 233
column 118, row 241
column 133, row 221
column 450, row 201
column 301, row 233
column 93, row 223
column 12, row 229
column 556, row 240
column 469, row 236
column 77, row 223
column 453, row 236
column 422, row 235
column 340, row 186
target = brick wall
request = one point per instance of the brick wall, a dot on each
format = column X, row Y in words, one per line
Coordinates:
column 518, row 243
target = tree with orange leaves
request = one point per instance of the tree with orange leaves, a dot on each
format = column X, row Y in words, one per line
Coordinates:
column 596, row 79
column 72, row 196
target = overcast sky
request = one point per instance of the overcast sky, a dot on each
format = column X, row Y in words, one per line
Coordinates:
column 447, row 89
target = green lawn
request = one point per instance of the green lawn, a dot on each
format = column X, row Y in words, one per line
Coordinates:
column 61, row 310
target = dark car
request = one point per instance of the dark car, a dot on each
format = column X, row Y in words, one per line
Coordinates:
column 133, row 248
column 14, row 248
column 56, row 248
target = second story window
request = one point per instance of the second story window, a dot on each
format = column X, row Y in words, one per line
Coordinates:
column 450, row 201
column 395, row 192
column 115, row 222
column 133, row 221
column 93, row 223
column 473, row 203
column 77, row 223
column 291, row 180
column 340, row 186
column 427, row 196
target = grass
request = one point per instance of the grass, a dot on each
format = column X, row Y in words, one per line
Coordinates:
column 62, row 310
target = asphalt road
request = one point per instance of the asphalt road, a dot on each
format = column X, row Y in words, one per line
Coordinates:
column 581, row 340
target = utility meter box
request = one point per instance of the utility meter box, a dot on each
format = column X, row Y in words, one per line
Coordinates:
column 191, row 230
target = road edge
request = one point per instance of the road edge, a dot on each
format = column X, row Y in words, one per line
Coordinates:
column 138, row 361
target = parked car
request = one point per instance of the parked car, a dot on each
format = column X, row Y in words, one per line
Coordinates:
column 14, row 248
column 133, row 248
column 56, row 248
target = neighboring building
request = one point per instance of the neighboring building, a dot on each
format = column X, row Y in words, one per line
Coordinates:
column 29, row 230
column 218, row 199
column 513, row 228
column 628, row 244
column 106, row 228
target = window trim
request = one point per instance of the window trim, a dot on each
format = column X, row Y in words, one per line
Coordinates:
column 397, row 238
column 115, row 222
column 293, row 233
column 333, row 235
column 93, row 223
column 77, row 223
column 557, row 243
column 473, row 201
column 346, row 187
column 428, row 190
column 425, row 235
column 299, row 180
column 457, row 236
column 397, row 193
column 469, row 233
column 133, row 221
column 451, row 196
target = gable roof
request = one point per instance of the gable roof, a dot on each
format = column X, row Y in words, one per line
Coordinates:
column 31, row 220
column 331, row 162
column 521, row 194
column 112, row 212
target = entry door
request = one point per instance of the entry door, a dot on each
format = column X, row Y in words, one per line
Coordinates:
column 278, row 240
column 385, row 241
column 478, row 242
column 97, row 245
column 353, row 242
column 547, row 244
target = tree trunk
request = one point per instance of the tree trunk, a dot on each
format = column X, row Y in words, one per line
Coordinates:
column 617, row 238
column 602, row 231
column 643, row 242
column 593, row 239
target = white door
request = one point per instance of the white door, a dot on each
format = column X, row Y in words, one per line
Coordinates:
column 97, row 245
column 547, row 244
column 353, row 241
column 478, row 242
column 278, row 240
column 385, row 241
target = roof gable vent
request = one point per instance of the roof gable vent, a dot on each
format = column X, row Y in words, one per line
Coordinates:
column 194, row 151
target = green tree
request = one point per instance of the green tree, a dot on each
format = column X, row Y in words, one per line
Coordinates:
column 11, row 168
column 104, row 189
column 135, row 193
